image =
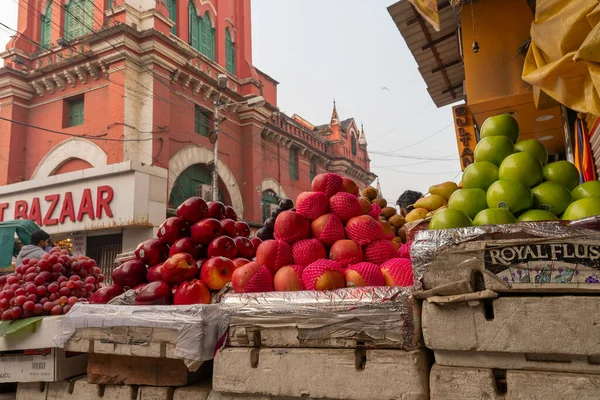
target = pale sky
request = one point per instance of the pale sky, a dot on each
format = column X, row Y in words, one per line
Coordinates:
column 324, row 49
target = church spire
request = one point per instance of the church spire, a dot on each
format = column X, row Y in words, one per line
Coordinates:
column 335, row 119
column 362, row 140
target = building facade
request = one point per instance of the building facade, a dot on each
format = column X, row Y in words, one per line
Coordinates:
column 106, row 120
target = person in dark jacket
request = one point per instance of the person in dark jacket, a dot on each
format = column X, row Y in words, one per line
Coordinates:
column 39, row 241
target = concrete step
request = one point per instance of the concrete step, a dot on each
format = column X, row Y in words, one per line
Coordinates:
column 566, row 325
column 519, row 361
column 452, row 383
column 323, row 373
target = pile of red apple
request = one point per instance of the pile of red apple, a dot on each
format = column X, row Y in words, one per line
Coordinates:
column 327, row 242
column 49, row 286
column 194, row 254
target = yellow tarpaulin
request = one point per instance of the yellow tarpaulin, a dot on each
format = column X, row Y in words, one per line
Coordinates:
column 563, row 62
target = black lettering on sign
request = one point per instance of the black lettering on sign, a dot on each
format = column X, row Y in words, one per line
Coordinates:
column 545, row 263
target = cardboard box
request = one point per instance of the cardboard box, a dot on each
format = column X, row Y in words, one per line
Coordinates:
column 30, row 355
column 44, row 365
column 521, row 258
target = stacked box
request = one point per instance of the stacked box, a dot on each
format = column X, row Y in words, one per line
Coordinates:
column 167, row 346
column 510, row 311
column 31, row 355
column 353, row 344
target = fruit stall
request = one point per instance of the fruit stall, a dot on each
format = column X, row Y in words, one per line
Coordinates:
column 336, row 285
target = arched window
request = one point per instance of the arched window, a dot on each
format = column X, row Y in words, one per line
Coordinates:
column 46, row 31
column 172, row 7
column 202, row 34
column 79, row 18
column 229, row 52
column 353, row 145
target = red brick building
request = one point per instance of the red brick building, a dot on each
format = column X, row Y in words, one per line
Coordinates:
column 119, row 95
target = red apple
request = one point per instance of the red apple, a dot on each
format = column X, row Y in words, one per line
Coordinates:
column 252, row 278
column 324, row 275
column 328, row 183
column 256, row 241
column 222, row 246
column 243, row 229
column 229, row 228
column 204, row 231
column 193, row 210
column 291, row 227
column 217, row 272
column 181, row 267
column 153, row 274
column 216, row 210
column 274, row 254
column 151, row 252
column 245, row 248
column 238, row 262
column 328, row 229
column 130, row 274
column 172, row 229
column 230, row 213
column 346, row 252
column 184, row 245
column 154, row 294
column 289, row 279
column 194, row 292
column 106, row 294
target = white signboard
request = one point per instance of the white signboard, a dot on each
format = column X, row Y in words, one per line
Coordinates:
column 119, row 198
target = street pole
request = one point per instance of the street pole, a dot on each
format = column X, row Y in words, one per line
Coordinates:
column 215, row 175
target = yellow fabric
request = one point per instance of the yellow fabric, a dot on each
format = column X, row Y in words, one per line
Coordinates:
column 563, row 62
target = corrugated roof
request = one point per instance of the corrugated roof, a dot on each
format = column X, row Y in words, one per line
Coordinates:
column 436, row 53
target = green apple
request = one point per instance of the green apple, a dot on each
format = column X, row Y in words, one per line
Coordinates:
column 551, row 196
column 536, row 215
column 534, row 147
column 494, row 216
column 470, row 201
column 523, row 167
column 449, row 218
column 562, row 172
column 582, row 208
column 493, row 149
column 479, row 175
column 501, row 125
column 510, row 194
column 586, row 189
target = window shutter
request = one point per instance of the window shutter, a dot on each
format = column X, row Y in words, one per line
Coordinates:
column 208, row 37
column 69, row 21
column 172, row 14
column 88, row 17
column 76, row 112
column 193, row 22
column 229, row 52
column 293, row 163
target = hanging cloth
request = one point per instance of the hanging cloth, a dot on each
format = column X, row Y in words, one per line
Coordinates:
column 563, row 61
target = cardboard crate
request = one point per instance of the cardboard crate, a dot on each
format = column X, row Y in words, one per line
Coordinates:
column 548, row 257
column 31, row 355
column 46, row 365
column 452, row 383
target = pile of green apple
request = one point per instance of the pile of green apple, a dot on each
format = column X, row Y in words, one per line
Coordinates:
column 511, row 181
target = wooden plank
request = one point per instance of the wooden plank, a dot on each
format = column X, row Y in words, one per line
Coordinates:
column 124, row 370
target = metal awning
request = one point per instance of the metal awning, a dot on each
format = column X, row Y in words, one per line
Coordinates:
column 437, row 53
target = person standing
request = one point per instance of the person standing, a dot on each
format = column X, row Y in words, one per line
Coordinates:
column 39, row 241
